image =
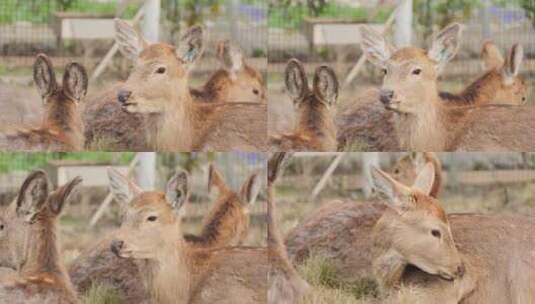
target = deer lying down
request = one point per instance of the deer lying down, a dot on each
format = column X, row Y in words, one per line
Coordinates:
column 61, row 129
column 226, row 225
column 341, row 230
column 466, row 258
column 285, row 284
column 367, row 121
column 29, row 239
column 422, row 121
column 174, row 272
column 315, row 129
column 182, row 114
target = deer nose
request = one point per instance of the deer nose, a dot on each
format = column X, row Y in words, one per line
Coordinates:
column 123, row 96
column 116, row 246
column 386, row 96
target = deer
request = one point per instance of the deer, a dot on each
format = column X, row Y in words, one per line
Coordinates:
column 285, row 284
column 235, row 81
column 29, row 238
column 226, row 225
column 171, row 271
column 315, row 129
column 61, row 128
column 157, row 93
column 468, row 258
column 367, row 121
column 341, row 230
column 422, row 121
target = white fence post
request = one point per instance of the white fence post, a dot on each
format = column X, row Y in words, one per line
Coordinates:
column 151, row 20
column 403, row 28
column 146, row 171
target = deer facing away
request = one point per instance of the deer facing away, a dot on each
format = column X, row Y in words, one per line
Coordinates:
column 30, row 241
column 61, row 128
column 367, row 121
column 315, row 129
column 422, row 121
column 174, row 273
column 157, row 92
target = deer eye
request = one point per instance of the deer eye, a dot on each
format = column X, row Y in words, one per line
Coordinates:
column 384, row 71
column 417, row 72
column 152, row 218
column 160, row 70
column 1, row 227
column 256, row 92
column 436, row 233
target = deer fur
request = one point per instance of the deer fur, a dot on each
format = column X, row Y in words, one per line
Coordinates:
column 285, row 284
column 175, row 273
column 157, row 97
column 42, row 276
column 366, row 120
column 315, row 129
column 227, row 223
column 61, row 128
column 422, row 121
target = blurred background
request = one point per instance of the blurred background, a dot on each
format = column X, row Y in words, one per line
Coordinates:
column 325, row 32
column 472, row 183
column 92, row 212
column 82, row 31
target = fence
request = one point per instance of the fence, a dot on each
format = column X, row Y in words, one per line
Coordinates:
column 504, row 22
column 31, row 26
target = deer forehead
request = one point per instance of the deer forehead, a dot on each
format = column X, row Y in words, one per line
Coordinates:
column 150, row 203
column 410, row 56
column 428, row 204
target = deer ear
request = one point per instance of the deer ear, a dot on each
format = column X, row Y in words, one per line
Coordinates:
column 276, row 164
column 512, row 65
column 215, row 179
column 396, row 193
column 375, row 46
column 44, row 76
column 130, row 42
column 191, row 46
column 491, row 56
column 177, row 191
column 425, row 180
column 250, row 189
column 230, row 57
column 32, row 195
column 296, row 80
column 75, row 81
column 446, row 45
column 62, row 194
column 326, row 85
column 123, row 189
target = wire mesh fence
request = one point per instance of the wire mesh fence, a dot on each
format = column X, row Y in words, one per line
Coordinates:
column 83, row 29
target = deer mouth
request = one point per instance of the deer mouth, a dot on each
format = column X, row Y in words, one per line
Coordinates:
column 446, row 276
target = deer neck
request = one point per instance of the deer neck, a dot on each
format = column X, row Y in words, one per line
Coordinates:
column 481, row 91
column 43, row 255
column 173, row 128
column 63, row 119
column 316, row 122
column 423, row 129
column 169, row 276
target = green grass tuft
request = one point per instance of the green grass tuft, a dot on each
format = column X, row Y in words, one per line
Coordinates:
column 99, row 294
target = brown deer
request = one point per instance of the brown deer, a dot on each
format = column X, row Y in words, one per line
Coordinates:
column 157, row 91
column 285, row 284
column 172, row 271
column 423, row 122
column 468, row 258
column 61, row 129
column 367, row 121
column 236, row 81
column 30, row 237
column 315, row 129
column 227, row 223
column 341, row 230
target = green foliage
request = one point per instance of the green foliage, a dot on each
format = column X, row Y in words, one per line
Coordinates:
column 99, row 294
column 442, row 12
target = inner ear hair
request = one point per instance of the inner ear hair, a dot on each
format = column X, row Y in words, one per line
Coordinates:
column 326, row 84
column 296, row 80
column 44, row 76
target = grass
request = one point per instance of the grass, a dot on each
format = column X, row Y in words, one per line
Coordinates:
column 101, row 295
